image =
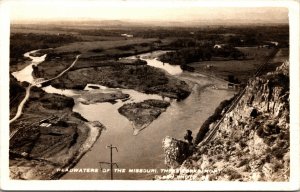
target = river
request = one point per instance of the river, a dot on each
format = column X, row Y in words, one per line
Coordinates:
column 152, row 60
column 144, row 150
column 26, row 73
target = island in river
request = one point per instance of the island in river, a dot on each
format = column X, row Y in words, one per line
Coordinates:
column 51, row 134
column 143, row 113
column 48, row 120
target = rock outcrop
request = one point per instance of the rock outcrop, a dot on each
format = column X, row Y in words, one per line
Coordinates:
column 252, row 141
column 176, row 151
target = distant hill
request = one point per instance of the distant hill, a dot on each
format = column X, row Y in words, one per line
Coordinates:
column 87, row 22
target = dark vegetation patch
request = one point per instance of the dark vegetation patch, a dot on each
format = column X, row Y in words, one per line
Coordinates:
column 50, row 101
column 98, row 50
column 125, row 47
column 145, row 112
column 21, row 43
column 143, row 78
column 200, row 53
column 16, row 91
column 51, row 55
column 213, row 118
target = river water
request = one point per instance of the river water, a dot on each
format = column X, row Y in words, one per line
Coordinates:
column 152, row 60
column 26, row 73
column 144, row 150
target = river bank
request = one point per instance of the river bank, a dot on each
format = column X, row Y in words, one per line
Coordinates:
column 144, row 79
column 252, row 142
column 205, row 94
column 248, row 146
column 143, row 151
column 48, row 136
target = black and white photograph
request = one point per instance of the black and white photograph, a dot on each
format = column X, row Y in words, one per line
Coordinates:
column 186, row 92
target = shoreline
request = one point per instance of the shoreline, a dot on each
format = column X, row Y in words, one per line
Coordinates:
column 252, row 142
column 153, row 127
column 46, row 167
column 89, row 143
column 94, row 135
column 68, row 138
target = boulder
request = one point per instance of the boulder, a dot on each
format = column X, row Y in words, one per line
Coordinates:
column 176, row 151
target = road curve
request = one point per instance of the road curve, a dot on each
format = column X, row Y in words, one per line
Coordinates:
column 21, row 105
column 63, row 72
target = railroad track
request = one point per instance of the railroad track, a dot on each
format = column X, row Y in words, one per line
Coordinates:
column 12, row 134
column 237, row 99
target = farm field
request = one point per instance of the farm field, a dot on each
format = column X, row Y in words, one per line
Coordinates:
column 174, row 77
column 241, row 69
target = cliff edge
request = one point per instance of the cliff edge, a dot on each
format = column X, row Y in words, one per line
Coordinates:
column 252, row 141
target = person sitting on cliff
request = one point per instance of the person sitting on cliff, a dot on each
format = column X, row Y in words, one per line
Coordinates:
column 188, row 137
column 190, row 147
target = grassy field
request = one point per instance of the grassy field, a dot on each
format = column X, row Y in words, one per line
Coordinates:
column 110, row 46
column 40, row 31
column 281, row 56
column 66, row 32
column 242, row 69
column 86, row 43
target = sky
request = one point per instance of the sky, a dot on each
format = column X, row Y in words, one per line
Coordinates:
column 178, row 10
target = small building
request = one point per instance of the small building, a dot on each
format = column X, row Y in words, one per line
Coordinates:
column 45, row 124
column 219, row 46
column 126, row 35
column 273, row 43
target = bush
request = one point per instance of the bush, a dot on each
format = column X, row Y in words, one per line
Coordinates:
column 125, row 47
column 260, row 132
column 242, row 144
column 243, row 162
column 233, row 174
column 99, row 50
column 278, row 152
column 62, row 124
column 144, row 44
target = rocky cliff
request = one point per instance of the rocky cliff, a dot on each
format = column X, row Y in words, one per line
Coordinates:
column 176, row 151
column 252, row 141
